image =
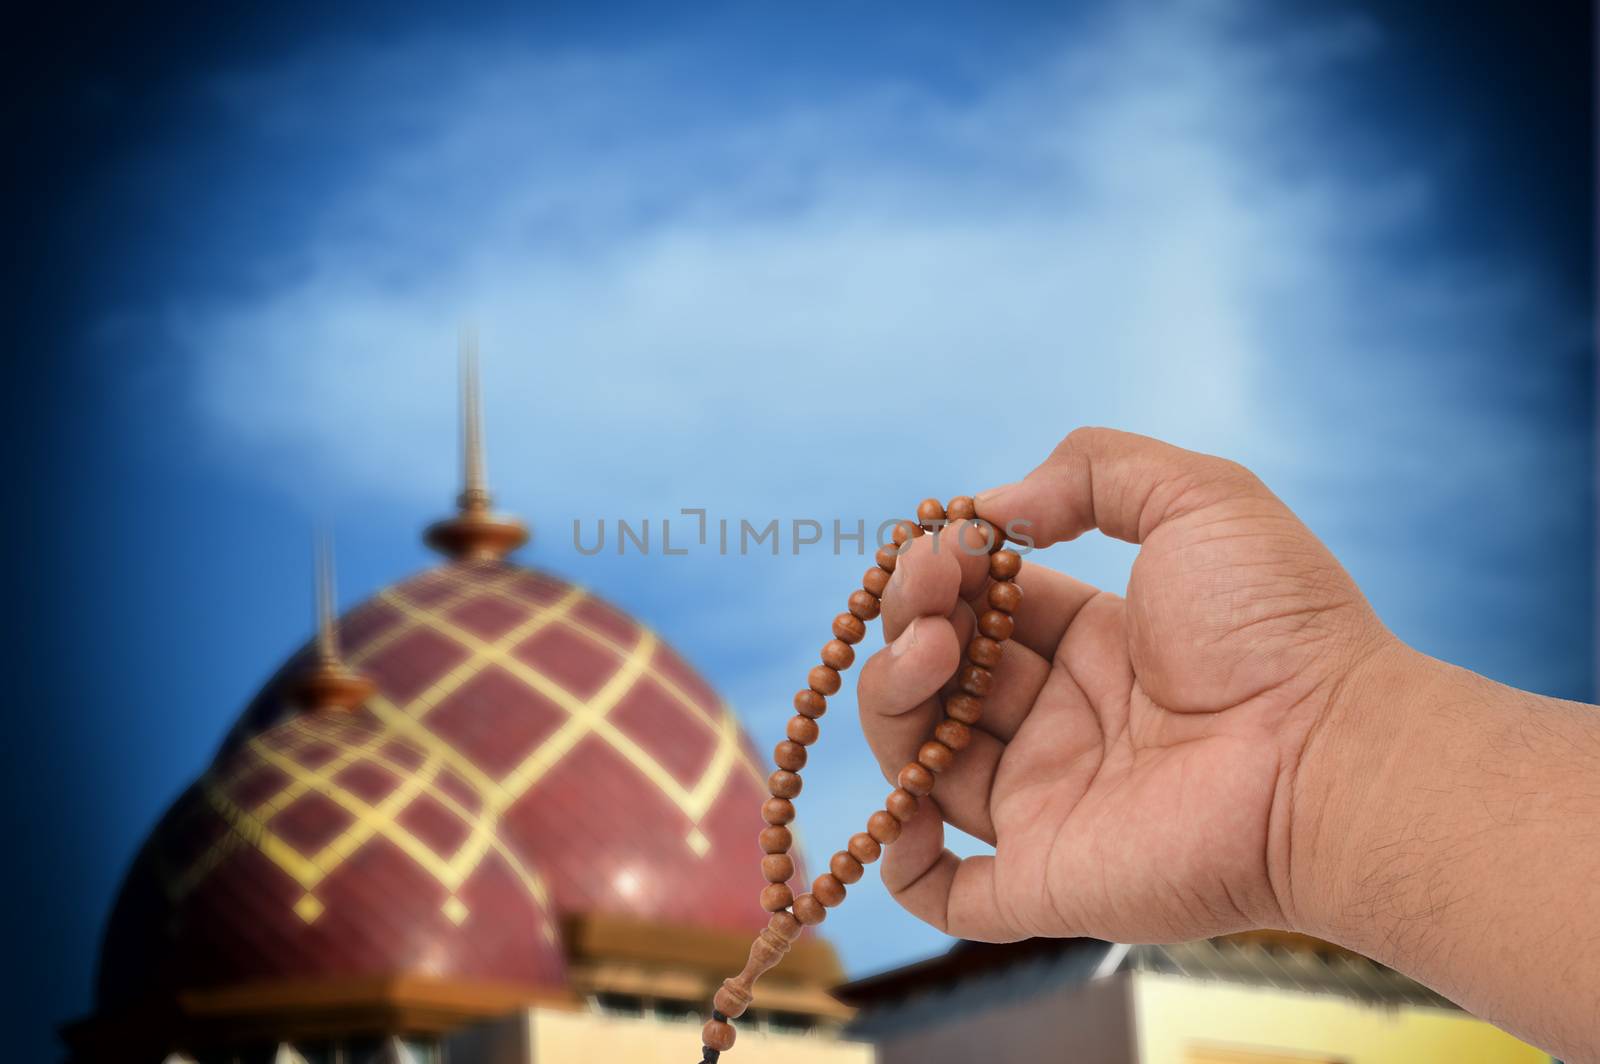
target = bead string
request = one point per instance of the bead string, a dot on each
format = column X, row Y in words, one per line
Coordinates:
column 963, row 708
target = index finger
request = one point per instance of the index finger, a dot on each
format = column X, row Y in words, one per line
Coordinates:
column 932, row 574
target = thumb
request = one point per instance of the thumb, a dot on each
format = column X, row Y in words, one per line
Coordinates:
column 1123, row 484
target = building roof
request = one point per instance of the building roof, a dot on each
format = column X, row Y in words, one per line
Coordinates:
column 965, row 962
column 1286, row 962
column 973, row 976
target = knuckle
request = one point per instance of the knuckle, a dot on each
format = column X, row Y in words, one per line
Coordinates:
column 1084, row 440
column 1227, row 478
column 1237, row 473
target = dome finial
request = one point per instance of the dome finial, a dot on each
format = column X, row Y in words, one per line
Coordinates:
column 327, row 631
column 475, row 484
column 475, row 532
column 328, row 683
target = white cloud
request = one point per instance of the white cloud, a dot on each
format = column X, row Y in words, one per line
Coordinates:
column 1093, row 239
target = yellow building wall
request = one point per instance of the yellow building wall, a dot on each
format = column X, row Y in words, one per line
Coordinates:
column 562, row 1037
column 1188, row 1021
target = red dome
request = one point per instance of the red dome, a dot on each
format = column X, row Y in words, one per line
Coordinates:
column 296, row 857
column 530, row 753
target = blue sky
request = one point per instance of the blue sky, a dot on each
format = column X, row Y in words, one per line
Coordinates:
column 796, row 268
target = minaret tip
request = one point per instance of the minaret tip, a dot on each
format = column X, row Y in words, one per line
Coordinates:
column 475, row 483
column 327, row 628
column 475, row 532
column 328, row 683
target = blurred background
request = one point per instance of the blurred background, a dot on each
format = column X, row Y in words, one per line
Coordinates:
column 777, row 262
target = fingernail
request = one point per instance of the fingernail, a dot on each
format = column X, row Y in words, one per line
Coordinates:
column 907, row 640
column 994, row 495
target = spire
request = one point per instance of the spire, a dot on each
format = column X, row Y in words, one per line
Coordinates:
column 476, row 532
column 327, row 632
column 328, row 683
column 475, row 484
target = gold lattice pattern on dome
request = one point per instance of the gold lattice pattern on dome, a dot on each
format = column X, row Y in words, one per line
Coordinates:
column 407, row 723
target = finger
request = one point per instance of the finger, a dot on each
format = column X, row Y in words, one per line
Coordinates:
column 956, row 896
column 896, row 727
column 899, row 696
column 1013, row 691
column 1050, row 602
column 972, row 542
column 964, row 791
column 931, row 574
column 1095, row 655
column 898, row 690
column 1124, row 485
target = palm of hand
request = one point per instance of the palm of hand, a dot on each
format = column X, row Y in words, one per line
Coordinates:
column 1137, row 800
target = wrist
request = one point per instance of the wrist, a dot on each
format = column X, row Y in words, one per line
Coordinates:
column 1358, row 765
column 1441, row 826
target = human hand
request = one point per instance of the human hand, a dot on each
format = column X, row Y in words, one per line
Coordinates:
column 1142, row 763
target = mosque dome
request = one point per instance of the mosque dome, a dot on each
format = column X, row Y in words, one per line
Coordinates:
column 301, row 855
column 528, row 752
column 445, row 785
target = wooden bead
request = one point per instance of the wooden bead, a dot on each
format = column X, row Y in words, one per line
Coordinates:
column 836, row 653
column 1005, row 565
column 968, row 709
column 717, row 1035
column 810, row 704
column 803, row 730
column 996, row 625
column 864, row 605
column 953, row 734
column 790, row 754
column 884, row 826
column 785, row 784
column 846, row 869
column 785, row 926
column 963, row 708
column 777, row 867
column 825, row 681
column 901, row 804
column 875, row 580
column 984, row 651
column 916, row 779
column 809, row 911
column 974, row 679
column 828, row 889
column 864, row 848
column 775, row 896
column 935, row 756
column 1005, row 596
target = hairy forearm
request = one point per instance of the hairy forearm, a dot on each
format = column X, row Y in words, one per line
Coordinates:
column 1449, row 827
